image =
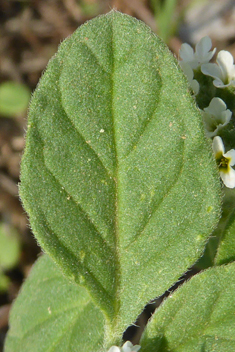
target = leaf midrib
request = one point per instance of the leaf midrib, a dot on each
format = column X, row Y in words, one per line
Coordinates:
column 116, row 180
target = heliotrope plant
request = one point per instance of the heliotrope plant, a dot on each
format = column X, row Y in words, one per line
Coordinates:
column 121, row 181
column 216, row 116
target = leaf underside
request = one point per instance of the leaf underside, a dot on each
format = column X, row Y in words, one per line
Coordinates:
column 198, row 317
column 117, row 177
column 53, row 314
column 226, row 249
column 220, row 249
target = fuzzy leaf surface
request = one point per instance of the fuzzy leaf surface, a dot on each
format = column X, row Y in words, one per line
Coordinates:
column 198, row 317
column 117, row 177
column 53, row 314
column 226, row 248
column 220, row 248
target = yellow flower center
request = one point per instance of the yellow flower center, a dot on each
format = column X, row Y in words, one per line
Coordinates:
column 223, row 163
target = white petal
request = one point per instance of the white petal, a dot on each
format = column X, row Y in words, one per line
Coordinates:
column 210, row 125
column 128, row 347
column 232, row 74
column 114, row 349
column 226, row 116
column 225, row 58
column 209, row 56
column 188, row 71
column 213, row 125
column 218, row 83
column 232, row 82
column 231, row 154
column 228, row 178
column 195, row 86
column 216, row 107
column 203, row 53
column 186, row 52
column 225, row 61
column 136, row 348
column 212, row 70
column 203, row 46
column 218, row 145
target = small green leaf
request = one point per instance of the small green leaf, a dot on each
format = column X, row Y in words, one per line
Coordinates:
column 9, row 247
column 53, row 314
column 117, row 177
column 14, row 98
column 4, row 282
column 198, row 317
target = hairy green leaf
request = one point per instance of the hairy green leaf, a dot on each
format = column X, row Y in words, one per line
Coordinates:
column 220, row 249
column 117, row 176
column 198, row 317
column 226, row 248
column 53, row 314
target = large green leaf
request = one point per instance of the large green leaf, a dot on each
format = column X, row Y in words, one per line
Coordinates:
column 226, row 248
column 198, row 317
column 117, row 177
column 53, row 314
column 220, row 249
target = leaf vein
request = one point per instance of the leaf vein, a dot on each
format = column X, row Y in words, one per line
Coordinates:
column 48, row 318
column 72, row 258
column 78, row 205
column 155, row 207
column 108, row 172
column 88, row 145
column 138, row 138
column 94, row 55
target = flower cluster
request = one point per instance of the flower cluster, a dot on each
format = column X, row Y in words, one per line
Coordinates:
column 223, row 71
column 216, row 116
column 192, row 61
column 127, row 347
column 201, row 55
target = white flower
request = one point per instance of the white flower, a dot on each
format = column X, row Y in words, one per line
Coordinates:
column 114, row 349
column 127, row 347
column 188, row 71
column 223, row 72
column 201, row 55
column 216, row 116
column 224, row 161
